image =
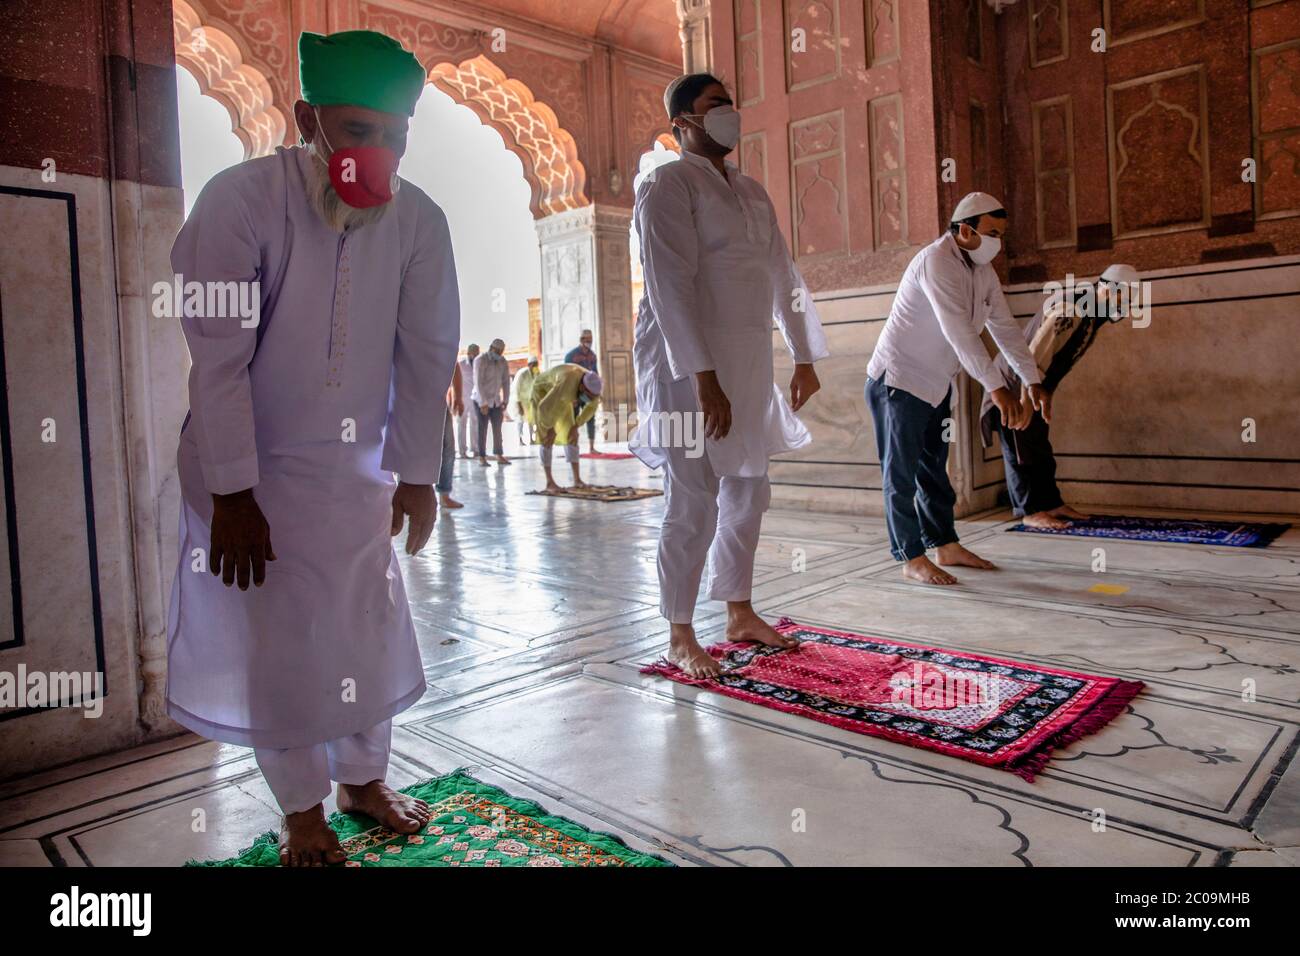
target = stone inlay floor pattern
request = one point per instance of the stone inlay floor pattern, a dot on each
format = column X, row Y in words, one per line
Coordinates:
column 535, row 613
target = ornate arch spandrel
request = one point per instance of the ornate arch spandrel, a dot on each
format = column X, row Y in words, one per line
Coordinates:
column 214, row 59
column 528, row 127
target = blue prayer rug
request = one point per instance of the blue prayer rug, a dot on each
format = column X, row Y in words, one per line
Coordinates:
column 1227, row 534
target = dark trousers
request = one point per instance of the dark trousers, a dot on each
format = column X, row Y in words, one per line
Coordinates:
column 1031, row 468
column 914, row 469
column 494, row 416
column 448, row 455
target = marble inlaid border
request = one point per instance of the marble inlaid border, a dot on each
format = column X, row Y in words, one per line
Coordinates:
column 79, row 349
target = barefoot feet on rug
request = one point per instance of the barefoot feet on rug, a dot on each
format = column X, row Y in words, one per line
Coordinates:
column 394, row 810
column 955, row 554
column 1046, row 520
column 1065, row 511
column 744, row 624
column 307, row 840
column 685, row 651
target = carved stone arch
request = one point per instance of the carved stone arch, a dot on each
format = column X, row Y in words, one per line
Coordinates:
column 529, row 129
column 223, row 71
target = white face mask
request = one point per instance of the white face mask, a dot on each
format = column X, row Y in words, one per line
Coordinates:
column 986, row 251
column 722, row 123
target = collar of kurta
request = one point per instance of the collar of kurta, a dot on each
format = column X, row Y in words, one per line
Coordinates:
column 950, row 241
column 699, row 160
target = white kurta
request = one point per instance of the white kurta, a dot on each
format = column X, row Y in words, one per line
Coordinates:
column 717, row 272
column 356, row 328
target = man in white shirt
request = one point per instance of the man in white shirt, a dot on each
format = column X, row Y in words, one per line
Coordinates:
column 717, row 272
column 491, row 393
column 467, row 421
column 947, row 296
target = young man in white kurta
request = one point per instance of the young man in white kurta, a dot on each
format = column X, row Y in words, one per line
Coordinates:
column 717, row 272
column 296, row 429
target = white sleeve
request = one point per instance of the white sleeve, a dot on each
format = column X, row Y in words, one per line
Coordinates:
column 428, row 334
column 218, row 243
column 954, row 313
column 1010, row 338
column 669, row 255
column 792, row 301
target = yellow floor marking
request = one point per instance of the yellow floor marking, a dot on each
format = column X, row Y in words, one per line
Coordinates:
column 1109, row 588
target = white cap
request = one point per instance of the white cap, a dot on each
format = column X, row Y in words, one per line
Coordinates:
column 671, row 89
column 974, row 204
column 593, row 383
column 1121, row 273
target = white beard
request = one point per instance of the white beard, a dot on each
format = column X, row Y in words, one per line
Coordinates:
column 331, row 208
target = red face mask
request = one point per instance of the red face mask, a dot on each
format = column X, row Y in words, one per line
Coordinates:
column 363, row 176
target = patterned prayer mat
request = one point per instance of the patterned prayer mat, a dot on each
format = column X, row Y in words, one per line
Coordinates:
column 603, row 493
column 1230, row 534
column 1000, row 713
column 607, row 455
column 473, row 824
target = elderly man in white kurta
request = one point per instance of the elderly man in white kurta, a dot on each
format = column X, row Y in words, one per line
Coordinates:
column 717, row 272
column 296, row 429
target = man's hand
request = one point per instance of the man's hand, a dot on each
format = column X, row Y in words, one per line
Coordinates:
column 240, row 539
column 421, row 504
column 1042, row 400
column 714, row 404
column 458, row 408
column 483, row 409
column 804, row 384
column 1013, row 416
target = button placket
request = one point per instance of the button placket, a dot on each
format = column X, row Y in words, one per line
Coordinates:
column 340, row 319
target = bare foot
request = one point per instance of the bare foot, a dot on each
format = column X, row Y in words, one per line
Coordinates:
column 449, row 502
column 377, row 799
column 307, row 840
column 685, row 651
column 925, row 571
column 503, row 460
column 483, row 462
column 744, row 624
column 1065, row 511
column 551, row 488
column 954, row 553
column 1045, row 519
column 579, row 483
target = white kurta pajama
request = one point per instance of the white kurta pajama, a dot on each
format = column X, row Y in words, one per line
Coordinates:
column 717, row 272
column 362, row 328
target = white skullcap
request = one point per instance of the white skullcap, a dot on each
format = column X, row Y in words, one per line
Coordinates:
column 591, row 381
column 974, row 204
column 532, row 360
column 670, row 90
column 1120, row 272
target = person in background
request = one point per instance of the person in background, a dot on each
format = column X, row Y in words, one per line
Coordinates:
column 520, row 402
column 456, row 407
column 465, row 434
column 558, row 414
column 585, row 356
column 491, row 393
column 1058, row 336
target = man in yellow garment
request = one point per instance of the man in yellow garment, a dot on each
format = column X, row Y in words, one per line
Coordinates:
column 554, row 401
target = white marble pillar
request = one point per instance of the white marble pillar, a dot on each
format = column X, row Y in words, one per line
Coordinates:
column 587, row 284
column 696, row 33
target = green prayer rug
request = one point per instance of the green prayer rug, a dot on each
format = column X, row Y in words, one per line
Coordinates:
column 473, row 824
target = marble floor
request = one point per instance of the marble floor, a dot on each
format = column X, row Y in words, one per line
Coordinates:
column 534, row 614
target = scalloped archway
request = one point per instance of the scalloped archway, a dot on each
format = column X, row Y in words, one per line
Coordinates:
column 528, row 127
column 216, row 61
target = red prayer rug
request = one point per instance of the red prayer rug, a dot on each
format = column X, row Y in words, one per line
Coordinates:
column 1000, row 713
column 607, row 455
